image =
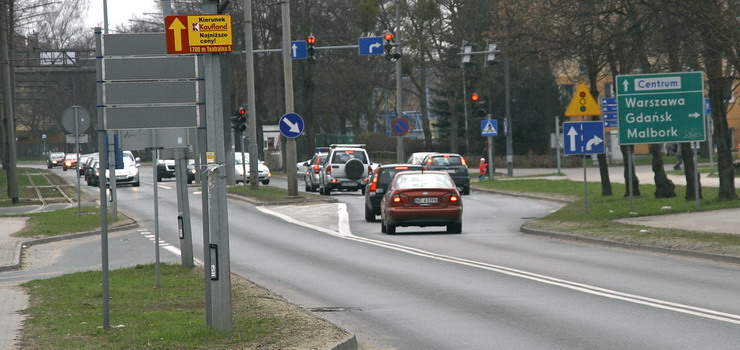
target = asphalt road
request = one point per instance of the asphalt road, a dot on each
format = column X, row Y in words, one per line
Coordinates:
column 490, row 287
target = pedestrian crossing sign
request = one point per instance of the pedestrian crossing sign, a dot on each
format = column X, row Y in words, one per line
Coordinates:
column 489, row 127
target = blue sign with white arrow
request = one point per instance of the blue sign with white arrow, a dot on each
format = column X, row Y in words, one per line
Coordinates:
column 609, row 112
column 291, row 125
column 489, row 127
column 298, row 50
column 371, row 45
column 584, row 137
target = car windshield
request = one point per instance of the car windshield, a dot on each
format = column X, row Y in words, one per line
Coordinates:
column 341, row 157
column 71, row 156
column 128, row 161
column 238, row 158
column 423, row 180
column 56, row 155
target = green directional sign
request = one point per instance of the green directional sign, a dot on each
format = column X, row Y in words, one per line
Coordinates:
column 657, row 108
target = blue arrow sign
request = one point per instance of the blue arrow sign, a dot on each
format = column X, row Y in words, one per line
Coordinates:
column 371, row 45
column 584, row 137
column 489, row 127
column 298, row 50
column 291, row 125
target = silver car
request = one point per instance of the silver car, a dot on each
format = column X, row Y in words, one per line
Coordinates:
column 313, row 171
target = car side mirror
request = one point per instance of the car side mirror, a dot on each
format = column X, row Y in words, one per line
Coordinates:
column 305, row 163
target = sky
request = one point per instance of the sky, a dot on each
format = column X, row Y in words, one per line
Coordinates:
column 119, row 11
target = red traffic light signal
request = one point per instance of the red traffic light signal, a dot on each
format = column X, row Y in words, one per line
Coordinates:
column 311, row 40
column 388, row 37
column 474, row 97
column 241, row 111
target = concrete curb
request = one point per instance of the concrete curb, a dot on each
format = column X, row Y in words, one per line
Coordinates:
column 17, row 263
column 296, row 200
column 654, row 249
column 564, row 236
column 349, row 343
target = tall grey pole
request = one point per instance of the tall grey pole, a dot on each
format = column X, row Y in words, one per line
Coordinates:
column 77, row 153
column 510, row 127
column 400, row 152
column 218, row 218
column 183, row 206
column 7, row 88
column 490, row 157
column 251, row 101
column 290, row 146
column 101, row 188
column 695, row 146
column 465, row 103
column 557, row 142
column 155, row 187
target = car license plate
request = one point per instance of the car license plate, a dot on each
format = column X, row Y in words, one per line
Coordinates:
column 425, row 200
column 451, row 171
column 349, row 184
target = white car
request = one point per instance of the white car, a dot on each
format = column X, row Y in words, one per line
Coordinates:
column 262, row 170
column 129, row 175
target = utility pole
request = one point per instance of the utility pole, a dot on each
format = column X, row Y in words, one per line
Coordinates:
column 400, row 151
column 290, row 145
column 509, row 127
column 251, row 101
column 7, row 98
column 219, row 267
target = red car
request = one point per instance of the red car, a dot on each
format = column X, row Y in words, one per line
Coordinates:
column 421, row 198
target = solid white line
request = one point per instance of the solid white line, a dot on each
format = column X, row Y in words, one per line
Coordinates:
column 344, row 232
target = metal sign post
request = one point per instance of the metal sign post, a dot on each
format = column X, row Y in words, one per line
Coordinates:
column 584, row 138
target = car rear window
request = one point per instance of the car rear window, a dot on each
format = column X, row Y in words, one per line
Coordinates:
column 445, row 160
column 424, row 180
column 385, row 175
column 341, row 157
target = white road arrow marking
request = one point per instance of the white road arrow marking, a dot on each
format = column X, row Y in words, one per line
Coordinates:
column 572, row 133
column 626, row 85
column 373, row 46
column 694, row 115
column 293, row 127
column 595, row 141
column 295, row 50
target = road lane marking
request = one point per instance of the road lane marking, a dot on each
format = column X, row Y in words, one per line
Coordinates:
column 345, row 233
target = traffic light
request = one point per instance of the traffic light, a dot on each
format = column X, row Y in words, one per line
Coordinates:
column 310, row 49
column 479, row 106
column 390, row 48
column 239, row 120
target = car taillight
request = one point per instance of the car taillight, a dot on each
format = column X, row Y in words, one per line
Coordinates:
column 462, row 160
column 316, row 168
column 398, row 200
column 373, row 186
column 451, row 198
column 328, row 170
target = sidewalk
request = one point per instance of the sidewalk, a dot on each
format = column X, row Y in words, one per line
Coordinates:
column 13, row 297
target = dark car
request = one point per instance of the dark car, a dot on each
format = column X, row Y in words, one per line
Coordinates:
column 453, row 164
column 379, row 182
column 55, row 159
column 421, row 198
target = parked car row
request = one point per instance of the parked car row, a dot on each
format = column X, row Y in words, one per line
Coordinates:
column 90, row 170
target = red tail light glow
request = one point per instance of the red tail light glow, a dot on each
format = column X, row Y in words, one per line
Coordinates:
column 396, row 199
column 316, row 168
column 454, row 198
column 373, row 186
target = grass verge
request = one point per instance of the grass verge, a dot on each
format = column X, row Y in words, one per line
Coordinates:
column 267, row 194
column 59, row 222
column 599, row 222
column 66, row 313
